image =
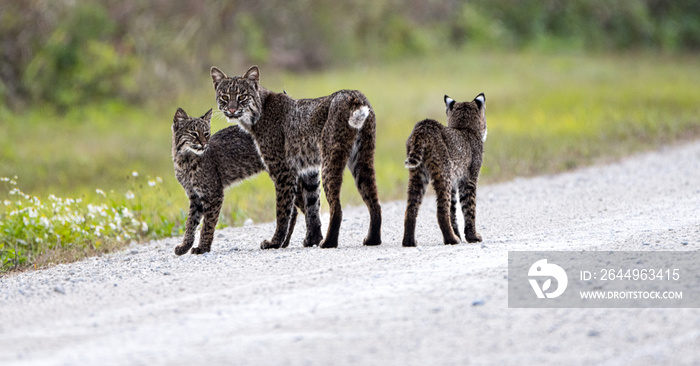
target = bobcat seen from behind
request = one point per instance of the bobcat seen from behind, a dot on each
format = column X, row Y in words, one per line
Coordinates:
column 449, row 156
column 298, row 137
column 205, row 166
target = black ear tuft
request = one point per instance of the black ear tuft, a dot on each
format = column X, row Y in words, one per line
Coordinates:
column 207, row 116
column 217, row 75
column 180, row 115
column 480, row 100
column 253, row 74
column 449, row 103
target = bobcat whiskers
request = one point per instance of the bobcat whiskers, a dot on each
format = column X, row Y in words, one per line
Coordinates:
column 220, row 115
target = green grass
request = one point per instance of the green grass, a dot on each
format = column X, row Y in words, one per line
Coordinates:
column 545, row 112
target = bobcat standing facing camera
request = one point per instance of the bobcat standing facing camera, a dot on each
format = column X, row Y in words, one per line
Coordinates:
column 205, row 166
column 451, row 158
column 296, row 138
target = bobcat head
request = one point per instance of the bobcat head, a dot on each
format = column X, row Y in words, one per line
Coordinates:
column 467, row 115
column 238, row 96
column 190, row 134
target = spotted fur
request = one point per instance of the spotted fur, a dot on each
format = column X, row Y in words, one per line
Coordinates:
column 205, row 166
column 449, row 156
column 296, row 138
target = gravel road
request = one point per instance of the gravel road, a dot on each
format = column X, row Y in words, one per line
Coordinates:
column 433, row 304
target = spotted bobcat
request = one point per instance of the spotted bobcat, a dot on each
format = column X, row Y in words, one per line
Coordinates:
column 205, row 166
column 449, row 156
column 296, row 138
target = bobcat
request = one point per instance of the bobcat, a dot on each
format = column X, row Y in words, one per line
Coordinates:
column 205, row 166
column 451, row 158
column 296, row 138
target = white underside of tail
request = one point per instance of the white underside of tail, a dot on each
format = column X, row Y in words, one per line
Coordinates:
column 486, row 132
column 358, row 117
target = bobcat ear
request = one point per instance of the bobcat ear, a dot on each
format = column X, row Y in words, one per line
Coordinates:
column 180, row 115
column 207, row 116
column 253, row 74
column 480, row 100
column 449, row 103
column 217, row 75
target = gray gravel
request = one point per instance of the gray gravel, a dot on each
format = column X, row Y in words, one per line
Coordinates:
column 433, row 304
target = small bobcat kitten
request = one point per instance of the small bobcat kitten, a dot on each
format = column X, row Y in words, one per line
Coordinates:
column 205, row 166
column 297, row 138
column 451, row 158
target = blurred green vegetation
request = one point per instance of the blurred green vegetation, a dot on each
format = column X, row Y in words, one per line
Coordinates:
column 88, row 89
column 71, row 53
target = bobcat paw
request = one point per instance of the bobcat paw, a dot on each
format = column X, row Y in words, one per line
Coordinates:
column 474, row 238
column 312, row 240
column 180, row 250
column 372, row 241
column 409, row 242
column 200, row 250
column 329, row 243
column 266, row 244
column 453, row 240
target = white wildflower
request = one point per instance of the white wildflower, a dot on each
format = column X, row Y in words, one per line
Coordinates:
column 144, row 226
column 100, row 192
column 45, row 222
column 25, row 220
column 135, row 173
column 4, row 179
column 151, row 183
column 112, row 226
column 130, row 195
column 159, row 179
column 7, row 202
column 33, row 213
column 77, row 219
column 126, row 213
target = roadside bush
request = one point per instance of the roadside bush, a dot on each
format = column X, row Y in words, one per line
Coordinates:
column 31, row 226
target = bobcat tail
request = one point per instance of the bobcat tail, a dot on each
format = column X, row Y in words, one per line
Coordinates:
column 358, row 117
column 415, row 153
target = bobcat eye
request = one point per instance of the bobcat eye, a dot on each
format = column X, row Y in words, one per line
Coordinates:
column 224, row 98
column 240, row 98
